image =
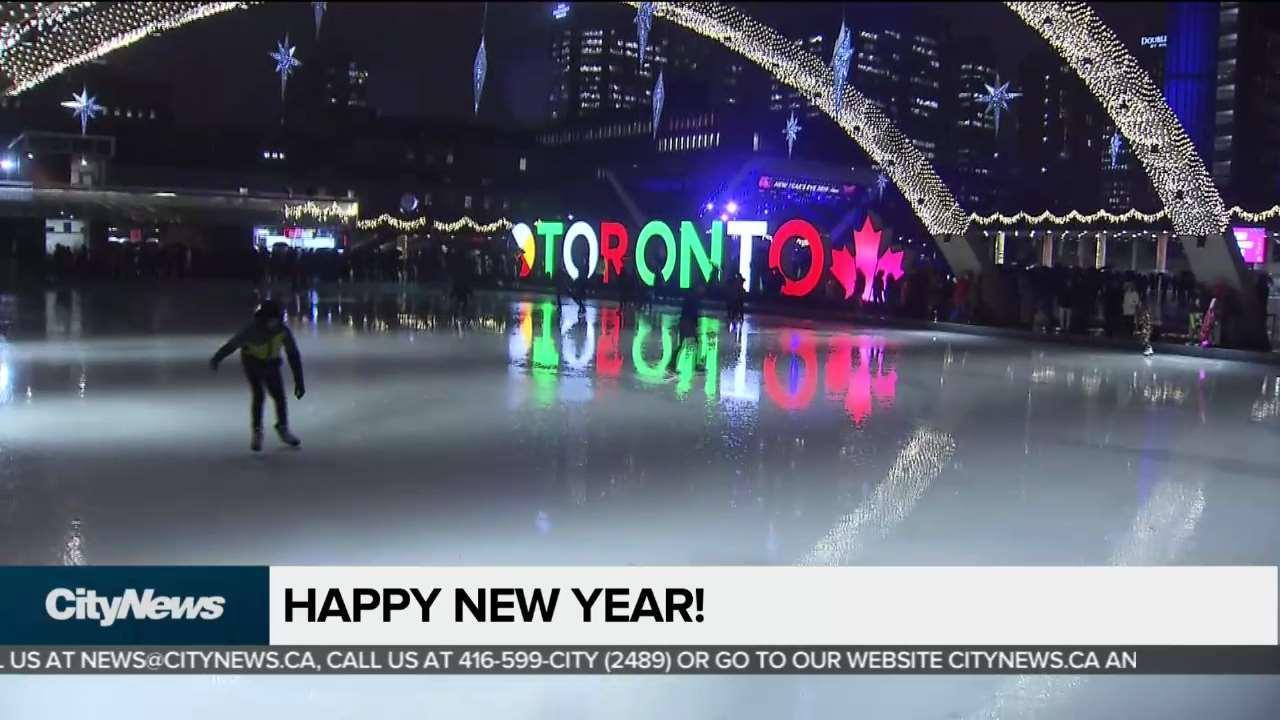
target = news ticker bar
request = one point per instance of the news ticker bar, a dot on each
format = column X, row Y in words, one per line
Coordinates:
column 714, row 606
column 641, row 660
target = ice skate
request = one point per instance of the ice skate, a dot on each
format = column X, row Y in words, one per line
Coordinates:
column 255, row 444
column 287, row 437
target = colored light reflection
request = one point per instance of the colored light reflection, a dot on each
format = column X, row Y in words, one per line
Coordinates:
column 549, row 345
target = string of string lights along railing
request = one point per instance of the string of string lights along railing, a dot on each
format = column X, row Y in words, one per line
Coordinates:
column 1128, row 216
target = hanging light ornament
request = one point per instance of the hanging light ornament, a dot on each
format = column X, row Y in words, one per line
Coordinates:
column 791, row 131
column 840, row 61
column 481, row 65
column 317, row 9
column 659, row 96
column 644, row 22
column 285, row 62
column 1115, row 147
column 882, row 181
column 997, row 99
column 83, row 106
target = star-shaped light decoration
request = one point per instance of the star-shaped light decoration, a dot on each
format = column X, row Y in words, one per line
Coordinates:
column 83, row 106
column 644, row 22
column 478, row 70
column 882, row 181
column 286, row 63
column 840, row 61
column 317, row 9
column 997, row 99
column 1115, row 147
column 792, row 131
column 659, row 96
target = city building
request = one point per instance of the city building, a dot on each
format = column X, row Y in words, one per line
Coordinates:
column 1246, row 126
column 972, row 164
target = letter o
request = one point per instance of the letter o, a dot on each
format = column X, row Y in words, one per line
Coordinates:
column 817, row 252
column 662, row 230
column 576, row 230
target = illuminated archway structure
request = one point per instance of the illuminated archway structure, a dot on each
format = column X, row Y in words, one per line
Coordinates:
column 52, row 37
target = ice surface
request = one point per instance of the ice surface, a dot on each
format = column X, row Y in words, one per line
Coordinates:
column 530, row 436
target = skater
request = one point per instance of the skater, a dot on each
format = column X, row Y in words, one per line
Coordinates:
column 578, row 293
column 259, row 344
column 736, row 299
column 1142, row 327
column 687, row 329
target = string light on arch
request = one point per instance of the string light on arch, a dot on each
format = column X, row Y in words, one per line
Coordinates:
column 83, row 32
column 1136, row 105
column 861, row 120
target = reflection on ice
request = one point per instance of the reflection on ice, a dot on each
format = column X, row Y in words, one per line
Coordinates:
column 919, row 462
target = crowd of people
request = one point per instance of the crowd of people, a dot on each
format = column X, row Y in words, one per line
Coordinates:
column 1063, row 300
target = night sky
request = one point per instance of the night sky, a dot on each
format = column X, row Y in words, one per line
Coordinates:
column 419, row 55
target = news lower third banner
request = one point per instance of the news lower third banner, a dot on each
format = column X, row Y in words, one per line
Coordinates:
column 639, row 620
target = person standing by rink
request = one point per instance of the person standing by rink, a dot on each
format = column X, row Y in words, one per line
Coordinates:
column 259, row 344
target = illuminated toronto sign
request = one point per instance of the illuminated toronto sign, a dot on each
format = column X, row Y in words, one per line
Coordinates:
column 680, row 254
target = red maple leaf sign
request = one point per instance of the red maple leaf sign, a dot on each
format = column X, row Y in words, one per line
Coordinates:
column 866, row 244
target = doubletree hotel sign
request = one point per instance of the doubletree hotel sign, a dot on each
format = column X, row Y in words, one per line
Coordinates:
column 609, row 248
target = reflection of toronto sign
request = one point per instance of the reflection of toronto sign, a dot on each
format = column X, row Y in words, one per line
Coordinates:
column 686, row 255
column 799, row 368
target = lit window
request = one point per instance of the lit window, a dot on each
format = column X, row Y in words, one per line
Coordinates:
column 466, row 202
column 524, row 164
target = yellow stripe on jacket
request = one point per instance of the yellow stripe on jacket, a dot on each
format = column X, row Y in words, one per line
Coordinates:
column 269, row 350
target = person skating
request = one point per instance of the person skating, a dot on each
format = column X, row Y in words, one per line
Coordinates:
column 687, row 328
column 1142, row 327
column 259, row 344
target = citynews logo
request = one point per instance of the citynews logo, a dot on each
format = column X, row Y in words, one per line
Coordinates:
column 80, row 604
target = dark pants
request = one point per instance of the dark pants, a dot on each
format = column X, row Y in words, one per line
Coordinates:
column 265, row 373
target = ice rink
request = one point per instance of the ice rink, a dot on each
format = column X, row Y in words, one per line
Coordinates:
column 527, row 436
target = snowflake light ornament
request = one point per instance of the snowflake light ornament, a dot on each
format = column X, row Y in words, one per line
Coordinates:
column 286, row 63
column 791, row 131
column 1115, row 147
column 659, row 96
column 882, row 181
column 644, row 22
column 840, row 61
column 478, row 70
column 84, row 106
column 317, row 9
column 997, row 99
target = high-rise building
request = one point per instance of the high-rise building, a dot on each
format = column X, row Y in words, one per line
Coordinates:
column 1059, row 137
column 972, row 164
column 1246, row 120
column 346, row 84
column 597, row 67
column 898, row 72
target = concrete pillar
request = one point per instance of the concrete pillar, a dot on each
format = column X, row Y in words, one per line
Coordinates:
column 1162, row 252
column 1046, row 249
column 1100, row 251
column 964, row 253
column 1082, row 249
column 1133, row 253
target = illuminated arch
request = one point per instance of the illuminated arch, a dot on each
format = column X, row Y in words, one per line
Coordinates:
column 58, row 36
column 1138, row 109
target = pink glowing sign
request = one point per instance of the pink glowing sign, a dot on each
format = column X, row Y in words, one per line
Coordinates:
column 1252, row 242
